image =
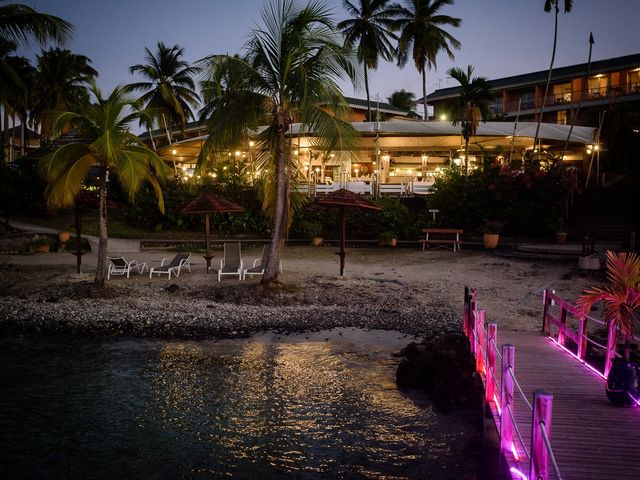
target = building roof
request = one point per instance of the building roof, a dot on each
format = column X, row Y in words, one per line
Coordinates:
column 361, row 104
column 558, row 74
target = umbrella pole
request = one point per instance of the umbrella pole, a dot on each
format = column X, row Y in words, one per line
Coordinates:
column 207, row 255
column 343, row 240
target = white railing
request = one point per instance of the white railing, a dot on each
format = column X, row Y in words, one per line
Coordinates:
column 524, row 464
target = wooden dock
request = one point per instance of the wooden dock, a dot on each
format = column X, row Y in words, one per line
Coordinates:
column 591, row 438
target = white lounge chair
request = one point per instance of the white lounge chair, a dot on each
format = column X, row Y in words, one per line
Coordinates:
column 232, row 263
column 119, row 266
column 173, row 265
column 258, row 268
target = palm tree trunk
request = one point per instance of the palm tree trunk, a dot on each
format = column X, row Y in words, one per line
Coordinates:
column 153, row 142
column 101, row 270
column 366, row 89
column 282, row 122
column 166, row 128
column 466, row 156
column 424, row 93
column 546, row 87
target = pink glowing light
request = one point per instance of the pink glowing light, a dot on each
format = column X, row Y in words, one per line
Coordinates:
column 637, row 401
column 518, row 473
column 497, row 403
column 515, row 452
column 578, row 358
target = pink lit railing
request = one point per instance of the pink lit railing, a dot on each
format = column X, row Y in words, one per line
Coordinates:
column 563, row 325
column 499, row 398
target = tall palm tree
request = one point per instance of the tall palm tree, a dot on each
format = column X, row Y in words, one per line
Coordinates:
column 371, row 29
column 102, row 140
column 422, row 31
column 405, row 100
column 169, row 88
column 290, row 70
column 548, row 5
column 15, row 97
column 471, row 106
column 23, row 25
column 62, row 84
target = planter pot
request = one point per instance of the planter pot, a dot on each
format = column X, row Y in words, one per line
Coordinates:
column 39, row 248
column 622, row 383
column 393, row 242
column 490, row 240
column 317, row 241
column 561, row 237
column 64, row 236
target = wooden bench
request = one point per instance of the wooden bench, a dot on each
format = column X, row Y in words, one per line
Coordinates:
column 443, row 236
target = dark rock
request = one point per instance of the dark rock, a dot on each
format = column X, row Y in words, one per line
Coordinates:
column 444, row 367
column 173, row 288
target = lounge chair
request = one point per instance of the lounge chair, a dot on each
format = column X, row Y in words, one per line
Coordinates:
column 232, row 262
column 119, row 266
column 258, row 268
column 174, row 265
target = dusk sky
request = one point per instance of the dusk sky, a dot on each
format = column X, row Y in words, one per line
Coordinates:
column 499, row 37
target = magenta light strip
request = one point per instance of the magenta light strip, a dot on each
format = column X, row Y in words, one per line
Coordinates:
column 593, row 369
column 515, row 452
column 518, row 473
column 637, row 401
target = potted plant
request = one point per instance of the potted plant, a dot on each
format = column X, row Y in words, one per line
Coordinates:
column 39, row 244
column 561, row 231
column 314, row 229
column 621, row 307
column 491, row 233
column 388, row 239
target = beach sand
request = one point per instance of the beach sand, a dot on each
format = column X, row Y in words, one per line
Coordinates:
column 406, row 290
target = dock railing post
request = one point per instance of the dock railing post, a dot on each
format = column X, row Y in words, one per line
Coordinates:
column 481, row 346
column 612, row 338
column 506, row 398
column 465, row 318
column 562, row 330
column 544, row 311
column 492, row 334
column 541, row 418
column 473, row 318
column 582, row 338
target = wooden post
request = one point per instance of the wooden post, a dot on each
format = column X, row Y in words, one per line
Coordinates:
column 542, row 405
column 544, row 312
column 473, row 318
column 481, row 346
column 490, row 389
column 582, row 339
column 563, row 324
column 465, row 318
column 506, row 425
column 612, row 338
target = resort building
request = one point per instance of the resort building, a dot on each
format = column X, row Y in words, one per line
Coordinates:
column 596, row 88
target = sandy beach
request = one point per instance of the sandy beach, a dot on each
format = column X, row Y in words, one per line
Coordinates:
column 405, row 290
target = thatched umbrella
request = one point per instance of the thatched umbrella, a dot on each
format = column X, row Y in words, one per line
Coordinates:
column 341, row 201
column 207, row 204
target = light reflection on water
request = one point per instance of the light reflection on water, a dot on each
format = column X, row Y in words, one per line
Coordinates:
column 233, row 409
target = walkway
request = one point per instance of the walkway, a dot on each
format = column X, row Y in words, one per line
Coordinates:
column 591, row 438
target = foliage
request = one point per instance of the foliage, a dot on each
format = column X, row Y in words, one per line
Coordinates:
column 39, row 240
column 405, row 100
column 22, row 25
column 621, row 298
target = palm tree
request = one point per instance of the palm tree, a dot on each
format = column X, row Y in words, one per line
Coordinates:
column 102, row 140
column 169, row 89
column 22, row 25
column 405, row 100
column 471, row 106
column 61, row 84
column 422, row 32
column 289, row 70
column 371, row 28
column 548, row 5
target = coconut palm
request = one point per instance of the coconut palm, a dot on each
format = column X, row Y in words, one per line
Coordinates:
column 23, row 25
column 169, row 88
column 405, row 100
column 289, row 70
column 621, row 298
column 371, row 29
column 548, row 5
column 472, row 105
column 62, row 84
column 101, row 139
column 422, row 32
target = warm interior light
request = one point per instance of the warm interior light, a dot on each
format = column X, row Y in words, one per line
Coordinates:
column 237, row 153
column 317, row 169
column 251, row 143
column 174, row 151
column 443, row 118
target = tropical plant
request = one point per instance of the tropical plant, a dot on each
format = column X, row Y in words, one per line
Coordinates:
column 101, row 140
column 371, row 29
column 62, row 82
column 422, row 33
column 405, row 100
column 23, row 25
column 471, row 106
column 548, row 5
column 168, row 89
column 621, row 298
column 289, row 70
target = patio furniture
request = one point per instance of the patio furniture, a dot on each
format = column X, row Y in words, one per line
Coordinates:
column 174, row 265
column 119, row 266
column 232, row 263
column 258, row 268
column 444, row 236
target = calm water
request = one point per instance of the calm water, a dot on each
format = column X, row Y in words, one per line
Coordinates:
column 103, row 408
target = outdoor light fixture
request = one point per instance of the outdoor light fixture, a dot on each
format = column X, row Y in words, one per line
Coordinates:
column 224, row 168
column 174, row 151
column 184, row 169
column 251, row 143
column 237, row 153
column 317, row 169
column 589, row 149
column 443, row 118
